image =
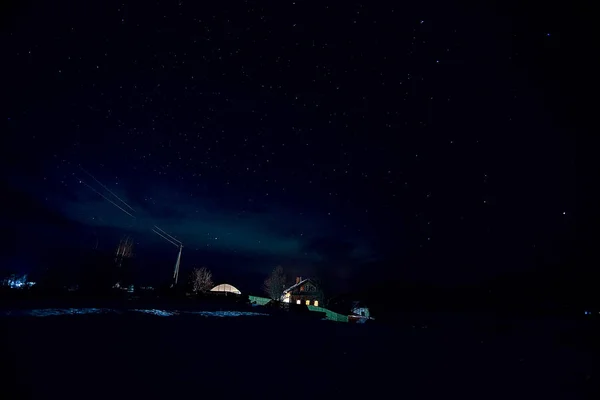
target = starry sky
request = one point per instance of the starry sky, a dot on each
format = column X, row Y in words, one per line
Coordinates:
column 351, row 141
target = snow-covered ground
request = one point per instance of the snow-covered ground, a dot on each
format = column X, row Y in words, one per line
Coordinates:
column 53, row 312
column 135, row 355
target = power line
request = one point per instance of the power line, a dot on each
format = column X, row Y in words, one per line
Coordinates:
column 167, row 239
column 165, row 233
column 106, row 198
column 107, row 189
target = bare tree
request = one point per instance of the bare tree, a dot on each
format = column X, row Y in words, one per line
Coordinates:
column 201, row 280
column 275, row 284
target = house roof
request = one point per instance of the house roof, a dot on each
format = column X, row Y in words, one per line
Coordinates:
column 294, row 286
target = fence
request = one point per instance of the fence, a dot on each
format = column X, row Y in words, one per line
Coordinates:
column 330, row 315
column 261, row 301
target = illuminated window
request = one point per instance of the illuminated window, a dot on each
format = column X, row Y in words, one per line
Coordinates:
column 297, row 301
column 302, row 288
column 308, row 302
column 316, row 303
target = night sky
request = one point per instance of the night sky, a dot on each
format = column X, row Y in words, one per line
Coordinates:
column 356, row 142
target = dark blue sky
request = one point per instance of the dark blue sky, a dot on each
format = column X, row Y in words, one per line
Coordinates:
column 351, row 141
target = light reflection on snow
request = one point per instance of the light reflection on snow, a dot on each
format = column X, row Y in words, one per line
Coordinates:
column 227, row 313
column 49, row 312
column 160, row 313
column 66, row 311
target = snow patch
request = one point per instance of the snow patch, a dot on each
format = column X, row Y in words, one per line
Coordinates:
column 160, row 313
column 50, row 312
column 222, row 314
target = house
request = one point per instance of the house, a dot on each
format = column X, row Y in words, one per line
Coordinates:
column 304, row 291
column 359, row 313
column 360, row 309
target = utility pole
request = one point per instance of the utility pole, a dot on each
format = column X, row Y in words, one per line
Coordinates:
column 175, row 243
column 176, row 272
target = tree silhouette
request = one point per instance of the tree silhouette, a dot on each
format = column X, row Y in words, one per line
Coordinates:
column 275, row 284
column 201, row 280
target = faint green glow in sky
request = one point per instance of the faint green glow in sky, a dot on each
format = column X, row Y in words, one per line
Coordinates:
column 276, row 232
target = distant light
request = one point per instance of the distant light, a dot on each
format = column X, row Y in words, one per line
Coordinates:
column 548, row 34
column 564, row 213
column 422, row 21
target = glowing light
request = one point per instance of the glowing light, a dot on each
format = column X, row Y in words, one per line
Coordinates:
column 225, row 287
column 316, row 303
column 17, row 282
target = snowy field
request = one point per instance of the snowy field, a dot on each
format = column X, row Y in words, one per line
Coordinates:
column 106, row 355
column 55, row 312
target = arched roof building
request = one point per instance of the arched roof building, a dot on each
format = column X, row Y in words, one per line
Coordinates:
column 225, row 287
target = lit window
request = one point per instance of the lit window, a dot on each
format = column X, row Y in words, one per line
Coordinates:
column 297, row 301
column 316, row 303
column 308, row 302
